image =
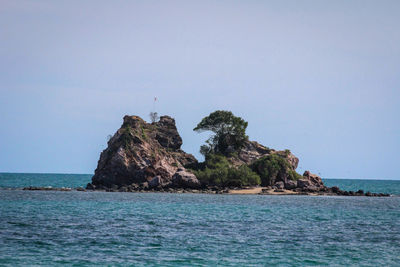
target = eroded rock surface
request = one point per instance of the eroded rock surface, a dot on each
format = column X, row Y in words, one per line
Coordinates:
column 185, row 179
column 141, row 152
column 252, row 151
column 145, row 156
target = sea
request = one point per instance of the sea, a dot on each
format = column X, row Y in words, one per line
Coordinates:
column 53, row 228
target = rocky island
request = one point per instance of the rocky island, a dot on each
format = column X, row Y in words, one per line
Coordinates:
column 145, row 156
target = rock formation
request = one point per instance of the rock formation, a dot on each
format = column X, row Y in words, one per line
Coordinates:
column 140, row 153
column 148, row 156
column 252, row 151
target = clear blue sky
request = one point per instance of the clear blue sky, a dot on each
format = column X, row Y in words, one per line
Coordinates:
column 321, row 78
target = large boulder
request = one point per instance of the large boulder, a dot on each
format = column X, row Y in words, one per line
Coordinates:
column 290, row 184
column 311, row 182
column 303, row 183
column 184, row 179
column 314, row 179
column 279, row 185
column 157, row 181
column 140, row 151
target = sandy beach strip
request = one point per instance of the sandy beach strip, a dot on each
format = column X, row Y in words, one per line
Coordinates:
column 259, row 190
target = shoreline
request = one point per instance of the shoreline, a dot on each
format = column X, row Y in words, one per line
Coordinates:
column 225, row 191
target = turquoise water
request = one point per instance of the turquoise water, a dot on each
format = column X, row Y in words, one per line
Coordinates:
column 20, row 180
column 148, row 229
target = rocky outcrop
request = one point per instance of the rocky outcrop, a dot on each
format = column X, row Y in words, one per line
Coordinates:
column 311, row 182
column 145, row 156
column 141, row 152
column 290, row 184
column 252, row 151
column 185, row 179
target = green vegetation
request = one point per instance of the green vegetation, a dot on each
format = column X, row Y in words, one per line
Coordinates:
column 175, row 164
column 273, row 166
column 229, row 133
column 144, row 136
column 293, row 175
column 216, row 170
column 227, row 141
column 126, row 137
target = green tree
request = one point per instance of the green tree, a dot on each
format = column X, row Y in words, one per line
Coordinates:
column 229, row 132
column 273, row 168
column 217, row 171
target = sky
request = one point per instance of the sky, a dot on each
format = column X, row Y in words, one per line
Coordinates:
column 321, row 78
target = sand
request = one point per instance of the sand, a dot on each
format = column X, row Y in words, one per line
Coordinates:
column 259, row 190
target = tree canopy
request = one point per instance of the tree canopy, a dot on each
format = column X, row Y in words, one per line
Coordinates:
column 229, row 132
column 218, row 171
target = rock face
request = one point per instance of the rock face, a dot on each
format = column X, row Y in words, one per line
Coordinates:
column 141, row 152
column 311, row 182
column 279, row 185
column 252, row 151
column 290, row 184
column 148, row 156
column 185, row 179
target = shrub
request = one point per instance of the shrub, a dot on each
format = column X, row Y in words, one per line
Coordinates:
column 144, row 135
column 126, row 137
column 243, row 176
column 272, row 168
column 293, row 175
column 217, row 171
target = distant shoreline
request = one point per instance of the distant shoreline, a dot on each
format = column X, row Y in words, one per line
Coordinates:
column 226, row 191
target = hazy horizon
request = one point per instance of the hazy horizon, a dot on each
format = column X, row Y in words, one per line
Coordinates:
column 319, row 78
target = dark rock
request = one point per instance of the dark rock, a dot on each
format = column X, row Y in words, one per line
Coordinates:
column 185, row 179
column 303, row 183
column 134, row 186
column 312, row 189
column 47, row 188
column 144, row 185
column 123, row 189
column 323, row 189
column 90, row 186
column 360, row 192
column 290, row 184
column 101, row 187
column 279, row 185
column 167, row 134
column 156, row 181
column 80, row 189
column 114, row 187
column 335, row 189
